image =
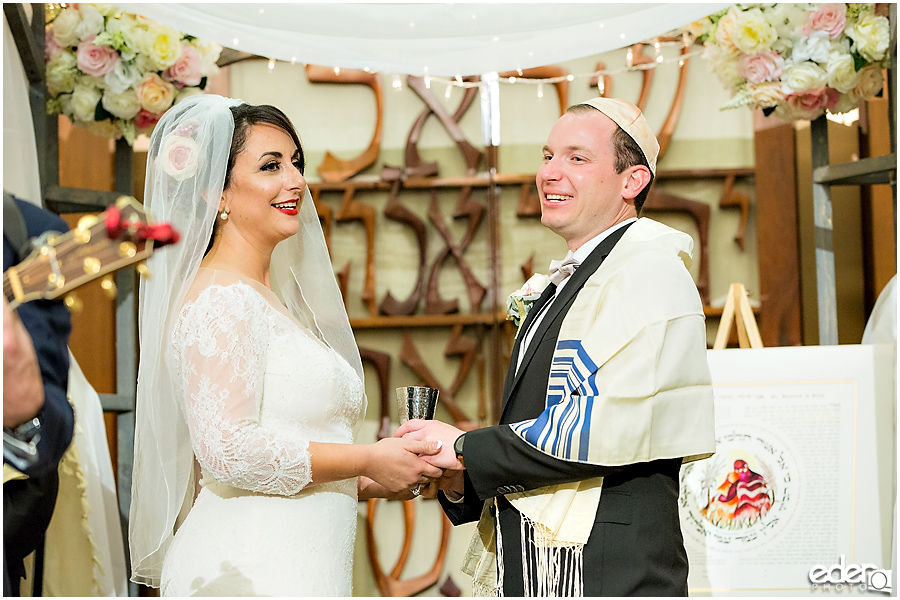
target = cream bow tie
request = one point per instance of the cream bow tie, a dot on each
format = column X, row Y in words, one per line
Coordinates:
column 562, row 269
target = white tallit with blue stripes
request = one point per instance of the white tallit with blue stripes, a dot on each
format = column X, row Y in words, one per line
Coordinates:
column 629, row 383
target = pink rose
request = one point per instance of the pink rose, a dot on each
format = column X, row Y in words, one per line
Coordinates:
column 186, row 69
column 96, row 60
column 180, row 157
column 808, row 105
column 829, row 18
column 831, row 98
column 146, row 119
column 760, row 67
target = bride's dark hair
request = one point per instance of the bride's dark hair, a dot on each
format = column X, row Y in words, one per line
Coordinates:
column 245, row 117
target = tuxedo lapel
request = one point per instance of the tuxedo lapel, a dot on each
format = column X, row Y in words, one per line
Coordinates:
column 556, row 311
column 548, row 293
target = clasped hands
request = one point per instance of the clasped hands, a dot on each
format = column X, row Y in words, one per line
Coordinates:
column 451, row 478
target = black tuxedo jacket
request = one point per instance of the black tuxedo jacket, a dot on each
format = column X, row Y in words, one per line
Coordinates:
column 635, row 547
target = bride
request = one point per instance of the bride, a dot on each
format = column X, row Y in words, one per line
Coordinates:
column 250, row 385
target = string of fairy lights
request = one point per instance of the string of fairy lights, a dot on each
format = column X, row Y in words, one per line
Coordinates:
column 539, row 82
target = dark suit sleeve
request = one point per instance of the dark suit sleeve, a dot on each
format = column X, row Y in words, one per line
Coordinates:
column 466, row 511
column 498, row 461
column 49, row 324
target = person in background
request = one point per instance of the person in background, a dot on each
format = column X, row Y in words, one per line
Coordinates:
column 38, row 420
column 608, row 390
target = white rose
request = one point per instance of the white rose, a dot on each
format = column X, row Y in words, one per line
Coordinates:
column 84, row 102
column 131, row 32
column 64, row 26
column 125, row 75
column 124, row 105
column 871, row 34
column 162, row 45
column 841, row 72
column 725, row 30
column 723, row 64
column 816, row 47
column 870, row 82
column 728, row 73
column 61, row 72
column 144, row 63
column 209, row 55
column 766, row 94
column 752, row 33
column 802, row 77
column 786, row 19
column 91, row 21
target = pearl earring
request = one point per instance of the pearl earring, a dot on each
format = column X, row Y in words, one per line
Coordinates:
column 223, row 215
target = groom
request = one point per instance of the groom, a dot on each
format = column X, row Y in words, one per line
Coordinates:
column 607, row 394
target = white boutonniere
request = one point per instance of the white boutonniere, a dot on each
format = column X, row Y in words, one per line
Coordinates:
column 520, row 302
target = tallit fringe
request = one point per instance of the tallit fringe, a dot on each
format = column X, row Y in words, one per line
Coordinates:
column 549, row 568
column 499, row 545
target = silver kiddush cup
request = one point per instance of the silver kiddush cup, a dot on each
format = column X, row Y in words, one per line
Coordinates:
column 416, row 402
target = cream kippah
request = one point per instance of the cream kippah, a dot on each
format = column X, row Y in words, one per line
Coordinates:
column 629, row 117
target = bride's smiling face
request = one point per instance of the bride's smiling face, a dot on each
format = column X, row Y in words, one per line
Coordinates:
column 266, row 186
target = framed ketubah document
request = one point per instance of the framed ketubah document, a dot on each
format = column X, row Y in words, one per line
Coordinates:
column 799, row 496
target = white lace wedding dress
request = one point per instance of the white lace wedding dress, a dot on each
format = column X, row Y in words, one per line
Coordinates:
column 258, row 387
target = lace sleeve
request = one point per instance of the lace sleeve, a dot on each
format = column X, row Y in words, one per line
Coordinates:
column 221, row 346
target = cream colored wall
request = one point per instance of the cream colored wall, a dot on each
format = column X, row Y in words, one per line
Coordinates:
column 342, row 118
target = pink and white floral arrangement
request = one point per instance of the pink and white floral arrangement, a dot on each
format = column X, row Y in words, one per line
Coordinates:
column 116, row 73
column 797, row 60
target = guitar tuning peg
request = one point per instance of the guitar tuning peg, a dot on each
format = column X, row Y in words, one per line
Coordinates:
column 109, row 286
column 143, row 270
column 73, row 303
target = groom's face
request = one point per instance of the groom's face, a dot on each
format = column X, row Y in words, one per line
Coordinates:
column 581, row 193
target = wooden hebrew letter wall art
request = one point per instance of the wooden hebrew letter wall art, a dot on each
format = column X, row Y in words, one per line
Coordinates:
column 466, row 207
column 382, row 363
column 351, row 210
column 391, row 584
column 333, row 169
column 529, row 202
column 668, row 128
column 459, row 345
column 733, row 197
column 546, row 72
column 323, row 211
column 663, row 201
column 395, row 211
column 639, row 58
column 472, row 155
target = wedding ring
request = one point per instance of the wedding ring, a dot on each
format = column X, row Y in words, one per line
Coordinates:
column 417, row 490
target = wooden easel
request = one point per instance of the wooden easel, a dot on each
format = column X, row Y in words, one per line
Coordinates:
column 737, row 309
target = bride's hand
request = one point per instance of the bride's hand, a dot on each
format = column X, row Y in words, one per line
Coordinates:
column 370, row 489
column 396, row 464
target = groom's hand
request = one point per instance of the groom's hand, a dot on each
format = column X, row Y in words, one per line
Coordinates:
column 418, row 429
